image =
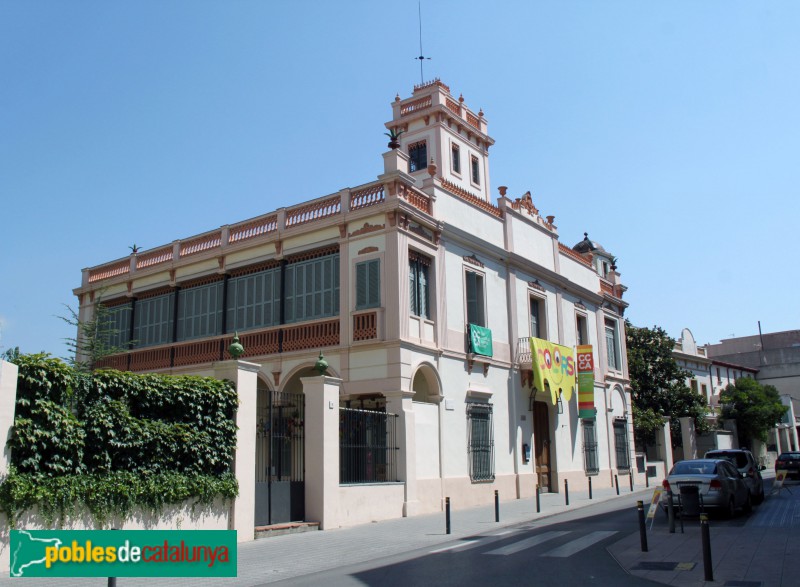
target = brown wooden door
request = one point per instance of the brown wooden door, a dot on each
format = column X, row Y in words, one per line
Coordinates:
column 541, row 444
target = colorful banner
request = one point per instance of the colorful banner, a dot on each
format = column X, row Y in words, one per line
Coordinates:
column 553, row 364
column 585, row 362
column 480, row 340
column 123, row 553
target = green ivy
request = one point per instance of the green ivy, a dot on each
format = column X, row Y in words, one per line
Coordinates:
column 112, row 441
column 118, row 494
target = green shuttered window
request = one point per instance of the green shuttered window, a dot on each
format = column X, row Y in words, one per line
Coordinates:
column 312, row 289
column 480, row 446
column 254, row 300
column 152, row 320
column 368, row 284
column 200, row 311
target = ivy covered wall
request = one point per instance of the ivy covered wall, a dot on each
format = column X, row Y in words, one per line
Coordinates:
column 112, row 442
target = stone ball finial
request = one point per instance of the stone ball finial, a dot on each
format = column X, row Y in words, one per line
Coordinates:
column 480, row 113
column 321, row 366
column 397, row 97
column 461, row 98
column 236, row 349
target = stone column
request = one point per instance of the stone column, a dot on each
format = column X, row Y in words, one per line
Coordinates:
column 664, row 445
column 243, row 375
column 400, row 403
column 689, row 438
column 8, row 399
column 322, row 450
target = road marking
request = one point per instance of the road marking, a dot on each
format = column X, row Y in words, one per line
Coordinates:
column 504, row 532
column 579, row 544
column 455, row 546
column 527, row 543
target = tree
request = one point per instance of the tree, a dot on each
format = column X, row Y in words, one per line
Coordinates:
column 10, row 355
column 755, row 407
column 93, row 340
column 659, row 387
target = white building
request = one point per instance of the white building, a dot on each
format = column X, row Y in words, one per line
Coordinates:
column 423, row 295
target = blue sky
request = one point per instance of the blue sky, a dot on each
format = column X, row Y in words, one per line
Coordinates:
column 667, row 130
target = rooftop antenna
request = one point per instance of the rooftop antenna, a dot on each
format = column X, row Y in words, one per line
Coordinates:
column 421, row 55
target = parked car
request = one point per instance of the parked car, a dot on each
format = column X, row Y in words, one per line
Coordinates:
column 789, row 462
column 744, row 460
column 720, row 485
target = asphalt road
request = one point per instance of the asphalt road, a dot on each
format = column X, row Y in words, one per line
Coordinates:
column 573, row 551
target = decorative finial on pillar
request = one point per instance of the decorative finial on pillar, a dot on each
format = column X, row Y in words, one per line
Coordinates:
column 432, row 168
column 397, row 97
column 236, row 349
column 321, row 366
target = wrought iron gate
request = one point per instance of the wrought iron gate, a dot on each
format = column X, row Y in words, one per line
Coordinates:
column 280, row 458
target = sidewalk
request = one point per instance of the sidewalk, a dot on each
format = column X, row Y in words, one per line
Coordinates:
column 761, row 552
column 283, row 557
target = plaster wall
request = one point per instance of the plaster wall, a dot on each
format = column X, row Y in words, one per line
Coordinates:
column 532, row 243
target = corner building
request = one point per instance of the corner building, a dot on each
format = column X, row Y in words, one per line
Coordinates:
column 423, row 295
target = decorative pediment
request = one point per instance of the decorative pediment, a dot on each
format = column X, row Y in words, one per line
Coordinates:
column 536, row 285
column 367, row 228
column 367, row 250
column 473, row 260
column 419, row 230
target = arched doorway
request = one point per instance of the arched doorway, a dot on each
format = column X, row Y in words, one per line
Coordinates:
column 280, row 456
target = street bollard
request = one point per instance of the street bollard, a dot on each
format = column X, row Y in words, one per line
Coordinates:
column 590, row 488
column 616, row 482
column 631, row 479
column 706, row 537
column 670, row 512
column 447, row 514
column 646, row 479
column 112, row 581
column 566, row 492
column 496, row 506
column 642, row 526
column 538, row 499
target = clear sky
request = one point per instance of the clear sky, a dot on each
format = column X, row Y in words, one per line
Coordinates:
column 669, row 130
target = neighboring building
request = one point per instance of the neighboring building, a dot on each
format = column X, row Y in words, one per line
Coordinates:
column 775, row 358
column 423, row 296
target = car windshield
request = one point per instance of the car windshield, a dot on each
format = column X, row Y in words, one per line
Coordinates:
column 737, row 458
column 789, row 456
column 694, row 468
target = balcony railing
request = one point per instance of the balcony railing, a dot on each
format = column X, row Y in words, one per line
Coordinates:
column 259, row 343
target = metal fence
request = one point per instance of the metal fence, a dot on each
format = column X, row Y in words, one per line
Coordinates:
column 367, row 446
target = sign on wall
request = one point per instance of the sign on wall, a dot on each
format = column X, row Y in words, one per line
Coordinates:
column 585, row 365
column 553, row 364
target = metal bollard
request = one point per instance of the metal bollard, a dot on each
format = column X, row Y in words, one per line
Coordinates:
column 566, row 492
column 616, row 482
column 631, row 479
column 496, row 506
column 706, row 537
column 646, row 479
column 447, row 514
column 642, row 526
column 590, row 488
column 538, row 499
column 112, row 581
column 670, row 512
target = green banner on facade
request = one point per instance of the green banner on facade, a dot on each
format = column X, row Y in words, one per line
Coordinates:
column 480, row 340
column 123, row 553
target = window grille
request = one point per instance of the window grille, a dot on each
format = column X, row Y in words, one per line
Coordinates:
column 367, row 446
column 200, row 311
column 368, row 284
column 480, row 444
column 418, row 284
column 254, row 300
column 152, row 320
column 621, row 445
column 590, row 460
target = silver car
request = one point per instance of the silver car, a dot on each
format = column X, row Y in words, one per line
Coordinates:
column 715, row 482
column 744, row 460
